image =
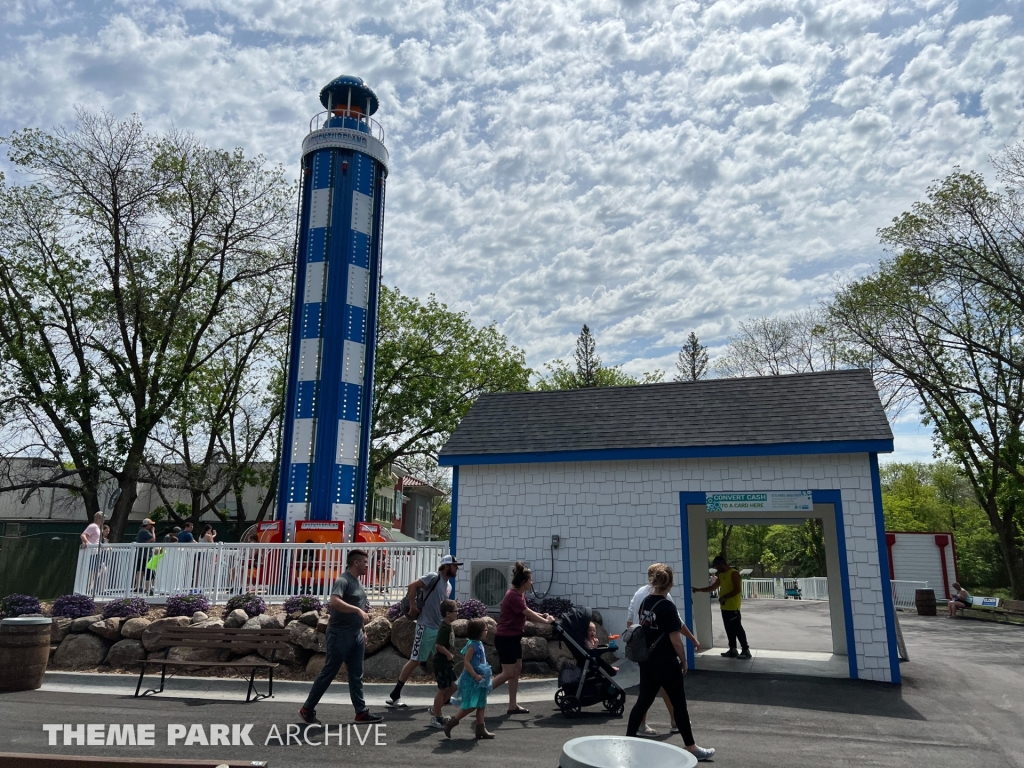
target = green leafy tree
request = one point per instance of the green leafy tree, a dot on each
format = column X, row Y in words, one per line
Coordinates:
column 692, row 364
column 945, row 315
column 117, row 263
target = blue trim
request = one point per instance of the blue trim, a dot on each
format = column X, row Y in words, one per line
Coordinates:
column 683, row 452
column 818, row 497
column 453, row 528
column 883, row 568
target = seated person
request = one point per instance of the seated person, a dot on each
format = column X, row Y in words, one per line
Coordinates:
column 593, row 645
column 959, row 600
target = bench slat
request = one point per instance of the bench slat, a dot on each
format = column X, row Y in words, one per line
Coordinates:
column 176, row 663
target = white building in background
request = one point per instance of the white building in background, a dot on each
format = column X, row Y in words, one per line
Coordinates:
column 601, row 482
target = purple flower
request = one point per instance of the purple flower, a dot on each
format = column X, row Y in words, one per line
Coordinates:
column 556, row 606
column 186, row 605
column 252, row 604
column 302, row 604
column 73, row 606
column 472, row 609
column 126, row 608
column 18, row 605
column 394, row 611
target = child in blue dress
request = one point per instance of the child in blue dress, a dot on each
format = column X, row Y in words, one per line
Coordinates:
column 475, row 682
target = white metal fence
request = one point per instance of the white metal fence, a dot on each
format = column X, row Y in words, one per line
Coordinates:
column 903, row 593
column 814, row 588
column 273, row 571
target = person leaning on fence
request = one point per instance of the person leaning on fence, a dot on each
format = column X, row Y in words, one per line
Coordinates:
column 664, row 662
column 346, row 641
column 730, row 595
column 959, row 599
column 428, row 620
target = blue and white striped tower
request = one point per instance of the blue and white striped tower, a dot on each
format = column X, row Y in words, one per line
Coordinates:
column 326, row 446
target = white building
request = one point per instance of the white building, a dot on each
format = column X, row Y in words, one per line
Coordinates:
column 627, row 476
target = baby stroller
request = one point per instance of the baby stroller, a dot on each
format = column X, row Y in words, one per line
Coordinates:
column 589, row 680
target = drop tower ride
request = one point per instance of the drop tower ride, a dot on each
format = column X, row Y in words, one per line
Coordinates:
column 326, row 441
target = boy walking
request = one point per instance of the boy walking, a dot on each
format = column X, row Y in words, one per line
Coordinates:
column 444, row 663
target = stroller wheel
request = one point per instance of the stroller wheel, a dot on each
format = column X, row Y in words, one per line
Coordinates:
column 616, row 703
column 570, row 706
column 560, row 698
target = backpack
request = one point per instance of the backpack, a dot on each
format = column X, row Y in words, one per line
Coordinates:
column 636, row 640
column 421, row 598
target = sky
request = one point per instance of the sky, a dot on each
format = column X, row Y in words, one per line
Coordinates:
column 648, row 168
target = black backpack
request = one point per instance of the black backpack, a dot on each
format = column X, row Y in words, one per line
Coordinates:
column 421, row 598
column 636, row 640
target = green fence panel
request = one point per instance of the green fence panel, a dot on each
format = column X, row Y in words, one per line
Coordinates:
column 38, row 566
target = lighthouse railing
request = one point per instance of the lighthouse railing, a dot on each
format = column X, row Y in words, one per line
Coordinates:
column 355, row 121
column 272, row 571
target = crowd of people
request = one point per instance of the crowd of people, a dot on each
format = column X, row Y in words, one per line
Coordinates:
column 98, row 533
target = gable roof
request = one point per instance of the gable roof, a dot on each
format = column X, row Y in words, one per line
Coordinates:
column 826, row 412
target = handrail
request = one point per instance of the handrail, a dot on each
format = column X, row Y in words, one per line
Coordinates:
column 360, row 122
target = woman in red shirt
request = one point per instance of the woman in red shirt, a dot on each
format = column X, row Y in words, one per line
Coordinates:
column 509, row 634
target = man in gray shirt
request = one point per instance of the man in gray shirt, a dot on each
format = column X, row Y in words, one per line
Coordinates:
column 346, row 642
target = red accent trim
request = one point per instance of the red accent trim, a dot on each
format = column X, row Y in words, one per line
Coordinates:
column 956, row 560
column 890, row 539
column 942, row 541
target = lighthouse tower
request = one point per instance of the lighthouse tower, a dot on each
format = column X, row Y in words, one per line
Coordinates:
column 326, row 441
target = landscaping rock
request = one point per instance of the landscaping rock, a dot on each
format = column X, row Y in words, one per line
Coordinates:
column 291, row 655
column 59, row 629
column 316, row 663
column 309, row 617
column 268, row 621
column 253, row 623
column 198, row 617
column 53, row 650
column 307, row 637
column 133, row 628
column 208, row 624
column 184, row 653
column 253, row 658
column 492, row 625
column 236, row 618
column 151, row 635
column 557, row 653
column 492, row 658
column 108, row 628
column 460, row 627
column 83, row 624
column 536, row 668
column 125, row 653
column 378, row 634
column 384, row 665
column 403, row 632
column 81, row 651
column 595, row 616
column 293, row 616
column 535, row 649
column 538, row 629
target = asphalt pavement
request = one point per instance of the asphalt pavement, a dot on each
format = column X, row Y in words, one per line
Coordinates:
column 962, row 703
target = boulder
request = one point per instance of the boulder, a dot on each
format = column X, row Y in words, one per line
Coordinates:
column 309, row 617
column 403, row 632
column 198, row 617
column 557, row 653
column 253, row 623
column 492, row 659
column 384, row 665
column 236, row 618
column 185, row 653
column 291, row 655
column 595, row 616
column 271, row 621
column 59, row 629
column 535, row 649
column 538, row 629
column 81, row 651
column 307, row 637
column 459, row 627
column 125, row 653
column 133, row 628
column 108, row 628
column 536, row 668
column 151, row 634
column 293, row 616
column 252, row 658
column 492, row 625
column 83, row 624
column 378, row 634
column 208, row 624
column 316, row 663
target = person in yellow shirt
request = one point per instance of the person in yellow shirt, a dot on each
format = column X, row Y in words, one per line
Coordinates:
column 730, row 596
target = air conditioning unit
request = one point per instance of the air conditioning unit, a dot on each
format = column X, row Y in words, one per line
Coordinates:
column 489, row 581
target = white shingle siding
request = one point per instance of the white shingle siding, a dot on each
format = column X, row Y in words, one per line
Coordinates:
column 617, row 517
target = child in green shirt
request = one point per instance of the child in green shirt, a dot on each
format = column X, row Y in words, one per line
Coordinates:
column 444, row 667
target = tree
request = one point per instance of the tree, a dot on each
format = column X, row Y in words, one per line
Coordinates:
column 692, row 364
column 946, row 315
column 117, row 265
column 589, row 371
column 773, row 346
column 431, row 365
column 588, row 364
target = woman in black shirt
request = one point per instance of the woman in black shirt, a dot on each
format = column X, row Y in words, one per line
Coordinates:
column 666, row 663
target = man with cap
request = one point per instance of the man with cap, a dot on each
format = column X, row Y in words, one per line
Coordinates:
column 436, row 588
column 731, row 595
column 172, row 535
column 144, row 536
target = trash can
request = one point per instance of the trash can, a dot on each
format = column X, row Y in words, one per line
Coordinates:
column 924, row 599
column 24, row 652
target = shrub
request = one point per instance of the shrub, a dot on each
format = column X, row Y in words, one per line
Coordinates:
column 126, row 608
column 472, row 609
column 252, row 604
column 556, row 606
column 73, row 606
column 186, row 605
column 394, row 611
column 18, row 605
column 302, row 604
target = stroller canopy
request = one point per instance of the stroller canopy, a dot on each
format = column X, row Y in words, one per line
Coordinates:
column 576, row 623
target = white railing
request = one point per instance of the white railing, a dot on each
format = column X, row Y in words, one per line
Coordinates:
column 903, row 593
column 273, row 571
column 814, row 588
column 354, row 120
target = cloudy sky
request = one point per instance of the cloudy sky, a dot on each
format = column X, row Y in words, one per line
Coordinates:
column 648, row 168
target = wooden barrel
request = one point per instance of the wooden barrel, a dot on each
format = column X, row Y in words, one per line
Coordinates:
column 924, row 599
column 24, row 652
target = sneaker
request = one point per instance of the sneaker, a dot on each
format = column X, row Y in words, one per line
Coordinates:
column 646, row 730
column 674, row 728
column 731, row 654
column 309, row 716
column 396, row 704
column 437, row 722
column 745, row 654
column 702, row 753
column 366, row 716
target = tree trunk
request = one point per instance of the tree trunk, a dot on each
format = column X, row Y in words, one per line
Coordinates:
column 1012, row 556
column 125, row 501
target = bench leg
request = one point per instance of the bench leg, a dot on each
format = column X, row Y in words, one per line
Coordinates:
column 253, row 693
column 142, row 673
column 163, row 676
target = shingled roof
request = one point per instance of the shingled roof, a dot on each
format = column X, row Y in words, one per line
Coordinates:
column 826, row 407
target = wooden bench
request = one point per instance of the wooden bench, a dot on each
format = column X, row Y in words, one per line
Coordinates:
column 222, row 639
column 20, row 760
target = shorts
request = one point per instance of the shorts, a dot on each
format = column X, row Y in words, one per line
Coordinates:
column 423, row 643
column 510, row 649
column 445, row 676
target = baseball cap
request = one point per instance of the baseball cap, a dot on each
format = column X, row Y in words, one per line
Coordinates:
column 450, row 560
column 147, row 521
